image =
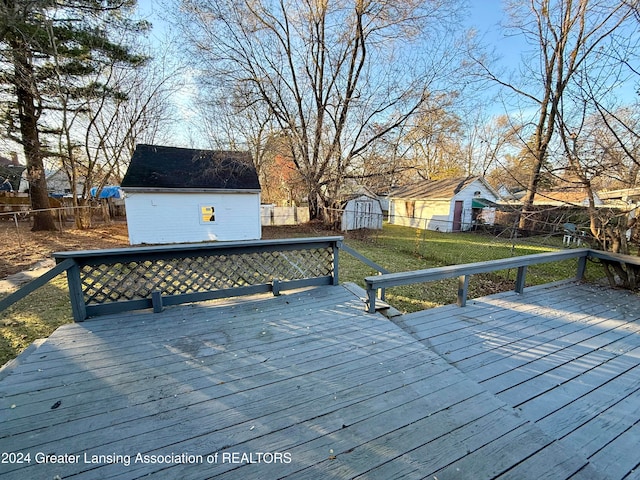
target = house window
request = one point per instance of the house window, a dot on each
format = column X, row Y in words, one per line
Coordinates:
column 207, row 214
column 410, row 208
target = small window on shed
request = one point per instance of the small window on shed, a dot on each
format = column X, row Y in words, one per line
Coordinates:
column 410, row 208
column 207, row 214
column 477, row 193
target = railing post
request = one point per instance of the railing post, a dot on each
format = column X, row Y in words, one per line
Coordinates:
column 463, row 289
column 582, row 267
column 520, row 279
column 156, row 301
column 275, row 287
column 78, row 307
column 383, row 292
column 371, row 298
column 336, row 262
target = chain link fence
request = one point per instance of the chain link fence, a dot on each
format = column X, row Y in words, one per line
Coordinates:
column 63, row 216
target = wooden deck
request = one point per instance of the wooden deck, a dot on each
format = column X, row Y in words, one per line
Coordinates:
column 566, row 357
column 309, row 386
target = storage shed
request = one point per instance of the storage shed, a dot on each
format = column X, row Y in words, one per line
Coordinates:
column 450, row 205
column 178, row 195
column 361, row 211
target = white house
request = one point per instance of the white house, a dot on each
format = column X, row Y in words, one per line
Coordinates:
column 449, row 205
column 58, row 183
column 177, row 195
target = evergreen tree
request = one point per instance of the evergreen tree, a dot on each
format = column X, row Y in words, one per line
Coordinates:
column 48, row 47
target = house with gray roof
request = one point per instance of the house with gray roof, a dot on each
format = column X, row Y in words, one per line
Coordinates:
column 448, row 205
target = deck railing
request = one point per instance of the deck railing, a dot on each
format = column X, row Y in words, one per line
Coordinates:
column 464, row 271
column 111, row 281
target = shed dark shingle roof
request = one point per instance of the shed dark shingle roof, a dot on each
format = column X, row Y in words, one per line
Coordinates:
column 154, row 166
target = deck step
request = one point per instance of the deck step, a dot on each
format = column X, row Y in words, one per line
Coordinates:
column 381, row 307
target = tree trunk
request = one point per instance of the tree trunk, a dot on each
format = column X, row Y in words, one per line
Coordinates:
column 28, row 114
column 314, row 206
column 83, row 214
column 106, row 211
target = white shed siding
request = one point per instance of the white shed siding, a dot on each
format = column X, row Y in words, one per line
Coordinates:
column 427, row 214
column 158, row 218
column 438, row 214
column 362, row 212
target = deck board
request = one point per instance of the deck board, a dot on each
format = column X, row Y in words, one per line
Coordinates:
column 566, row 357
column 346, row 394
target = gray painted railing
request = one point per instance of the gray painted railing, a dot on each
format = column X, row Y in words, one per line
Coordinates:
column 358, row 256
column 111, row 281
column 33, row 285
column 463, row 272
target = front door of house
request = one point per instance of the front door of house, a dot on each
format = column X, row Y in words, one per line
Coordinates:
column 457, row 215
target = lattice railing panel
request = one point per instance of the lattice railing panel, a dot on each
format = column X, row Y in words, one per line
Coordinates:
column 136, row 279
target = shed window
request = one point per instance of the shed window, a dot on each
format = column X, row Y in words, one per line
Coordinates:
column 410, row 208
column 207, row 214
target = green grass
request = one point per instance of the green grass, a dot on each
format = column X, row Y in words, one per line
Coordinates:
column 395, row 248
column 402, row 249
column 35, row 316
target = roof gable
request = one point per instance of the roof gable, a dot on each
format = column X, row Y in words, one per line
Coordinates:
column 160, row 167
column 437, row 189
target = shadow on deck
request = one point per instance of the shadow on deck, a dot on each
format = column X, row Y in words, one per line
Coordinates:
column 308, row 385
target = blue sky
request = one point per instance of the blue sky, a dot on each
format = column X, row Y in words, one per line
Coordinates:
column 484, row 16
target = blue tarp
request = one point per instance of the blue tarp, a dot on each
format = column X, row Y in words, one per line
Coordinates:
column 108, row 192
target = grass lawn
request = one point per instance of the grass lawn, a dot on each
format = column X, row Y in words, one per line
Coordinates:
column 395, row 248
column 402, row 249
column 35, row 316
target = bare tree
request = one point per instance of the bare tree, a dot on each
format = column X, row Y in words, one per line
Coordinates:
column 565, row 35
column 121, row 103
column 595, row 159
column 334, row 76
column 435, row 137
column 143, row 115
column 488, row 143
column 229, row 122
